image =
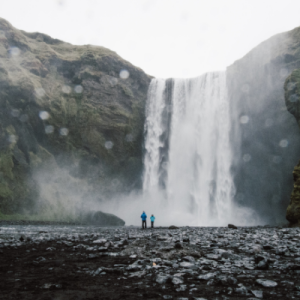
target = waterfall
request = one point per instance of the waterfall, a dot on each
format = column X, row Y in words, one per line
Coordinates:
column 187, row 149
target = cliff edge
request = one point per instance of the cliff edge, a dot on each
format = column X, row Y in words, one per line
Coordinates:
column 61, row 105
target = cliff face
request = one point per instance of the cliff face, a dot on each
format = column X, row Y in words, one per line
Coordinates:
column 61, row 105
column 292, row 99
column 266, row 136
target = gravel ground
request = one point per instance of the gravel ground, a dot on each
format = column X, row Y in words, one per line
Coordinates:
column 59, row 261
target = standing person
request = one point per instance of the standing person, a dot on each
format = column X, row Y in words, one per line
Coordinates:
column 152, row 218
column 144, row 218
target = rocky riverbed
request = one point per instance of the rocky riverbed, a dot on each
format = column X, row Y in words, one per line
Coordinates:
column 89, row 262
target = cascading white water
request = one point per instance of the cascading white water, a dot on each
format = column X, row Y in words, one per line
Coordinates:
column 187, row 150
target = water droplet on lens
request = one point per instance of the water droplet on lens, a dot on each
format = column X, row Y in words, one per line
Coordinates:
column 64, row 131
column 44, row 115
column 108, row 144
column 14, row 51
column 244, row 119
column 78, row 89
column 284, row 72
column 66, row 89
column 40, row 92
column 49, row 129
column 294, row 98
column 12, row 139
column 275, row 199
column 283, row 143
column 15, row 113
column 276, row 159
column 246, row 157
column 129, row 137
column 124, row 74
column 268, row 122
column 245, row 88
column 23, row 118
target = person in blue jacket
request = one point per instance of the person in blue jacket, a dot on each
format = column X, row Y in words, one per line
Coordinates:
column 152, row 218
column 144, row 218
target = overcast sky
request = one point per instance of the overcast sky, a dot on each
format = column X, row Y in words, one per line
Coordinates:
column 166, row 38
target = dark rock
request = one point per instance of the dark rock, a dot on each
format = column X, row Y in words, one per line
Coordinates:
column 173, row 227
column 178, row 246
column 232, row 226
column 102, row 219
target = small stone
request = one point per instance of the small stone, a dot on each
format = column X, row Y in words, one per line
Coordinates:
column 177, row 280
column 266, row 282
column 161, row 279
column 207, row 276
column 257, row 294
column 187, row 265
column 189, row 258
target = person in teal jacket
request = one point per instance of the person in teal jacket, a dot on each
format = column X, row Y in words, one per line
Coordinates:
column 144, row 218
column 152, row 218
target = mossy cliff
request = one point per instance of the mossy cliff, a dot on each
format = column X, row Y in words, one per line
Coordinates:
column 292, row 99
column 66, row 106
column 266, row 136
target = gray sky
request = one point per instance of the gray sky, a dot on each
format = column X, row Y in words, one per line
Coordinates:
column 166, row 38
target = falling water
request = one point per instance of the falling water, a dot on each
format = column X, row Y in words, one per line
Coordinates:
column 187, row 150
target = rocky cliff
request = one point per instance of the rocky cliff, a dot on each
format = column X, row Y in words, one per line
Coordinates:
column 292, row 99
column 77, row 107
column 266, row 135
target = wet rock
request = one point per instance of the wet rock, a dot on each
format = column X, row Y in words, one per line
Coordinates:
column 173, row 227
column 187, row 265
column 263, row 265
column 232, row 226
column 102, row 219
column 182, row 288
column 257, row 293
column 162, row 279
column 190, row 259
column 178, row 246
column 266, row 283
column 177, row 280
column 207, row 276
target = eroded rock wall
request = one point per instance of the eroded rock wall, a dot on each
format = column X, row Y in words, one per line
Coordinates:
column 292, row 99
column 266, row 136
column 66, row 105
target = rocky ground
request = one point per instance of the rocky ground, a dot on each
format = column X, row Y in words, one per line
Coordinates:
column 88, row 262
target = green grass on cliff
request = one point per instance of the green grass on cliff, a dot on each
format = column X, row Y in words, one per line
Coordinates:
column 37, row 217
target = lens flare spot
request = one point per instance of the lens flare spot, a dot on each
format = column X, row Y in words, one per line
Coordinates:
column 124, row 74
column 78, row 89
column 44, row 115
column 64, row 131
column 244, row 119
column 108, row 145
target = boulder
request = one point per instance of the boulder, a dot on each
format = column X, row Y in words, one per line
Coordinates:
column 173, row 227
column 232, row 226
column 102, row 219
